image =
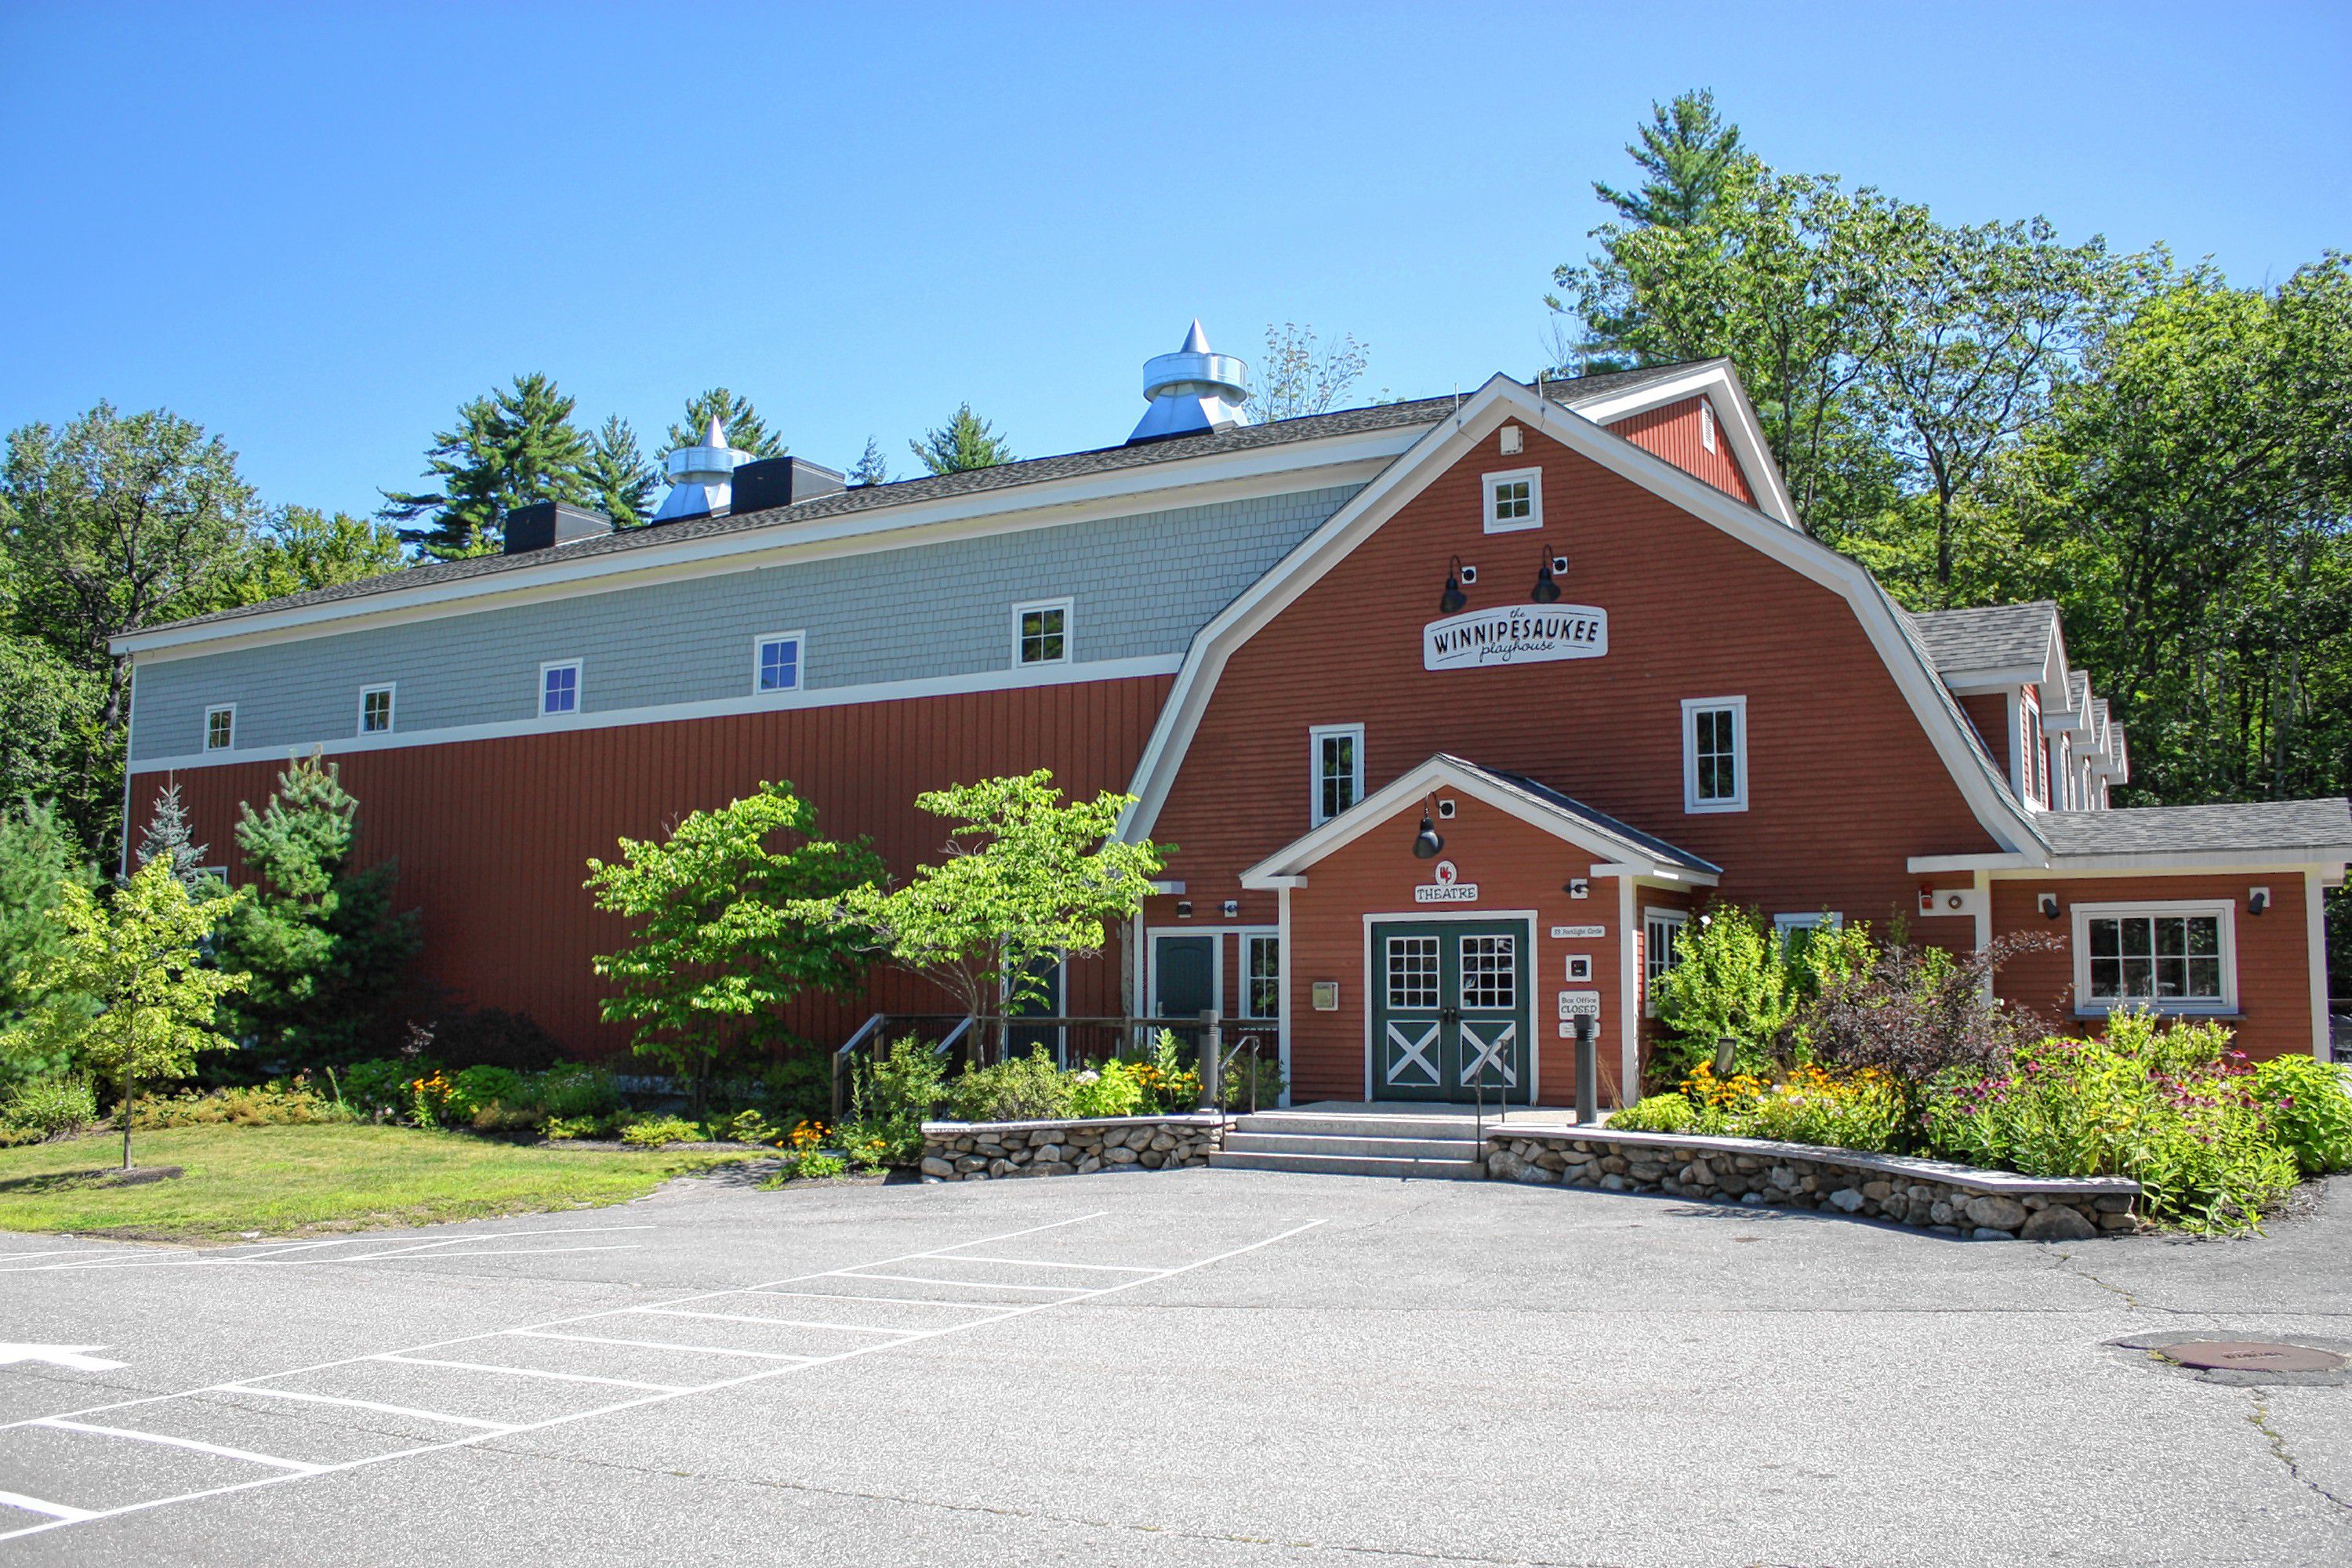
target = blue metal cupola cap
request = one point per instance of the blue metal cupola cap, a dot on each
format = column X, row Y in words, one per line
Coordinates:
column 1192, row 390
column 701, row 478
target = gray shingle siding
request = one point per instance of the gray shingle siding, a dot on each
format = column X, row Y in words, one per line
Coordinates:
column 1142, row 585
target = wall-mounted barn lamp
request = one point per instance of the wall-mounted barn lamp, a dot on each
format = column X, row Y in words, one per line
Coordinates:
column 1426, row 843
column 2048, row 904
column 1452, row 599
column 2257, row 901
column 1545, row 590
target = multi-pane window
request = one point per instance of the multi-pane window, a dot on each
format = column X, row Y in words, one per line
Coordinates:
column 1660, row 930
column 220, row 727
column 1413, row 971
column 1339, row 750
column 1715, row 765
column 558, row 687
column 1042, row 632
column 2158, row 956
column 1490, row 972
column 375, row 711
column 1261, row 976
column 778, row 664
column 1514, row 501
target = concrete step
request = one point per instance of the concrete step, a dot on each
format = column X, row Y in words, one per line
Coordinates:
column 1463, row 1170
column 1328, row 1124
column 1241, row 1142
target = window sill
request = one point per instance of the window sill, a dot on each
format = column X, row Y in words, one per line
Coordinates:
column 2161, row 1012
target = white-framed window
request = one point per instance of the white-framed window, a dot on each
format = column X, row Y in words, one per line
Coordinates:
column 1336, row 751
column 376, row 709
column 558, row 687
column 220, row 727
column 1660, row 929
column 1714, row 753
column 776, row 662
column 2177, row 957
column 1041, row 632
column 1513, row 499
column 1261, row 975
column 1707, row 424
column 1795, row 931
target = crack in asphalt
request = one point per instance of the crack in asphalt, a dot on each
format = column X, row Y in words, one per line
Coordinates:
column 2259, row 1419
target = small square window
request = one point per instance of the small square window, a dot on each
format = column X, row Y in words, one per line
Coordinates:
column 777, row 665
column 558, row 688
column 1041, row 632
column 220, row 727
column 375, row 711
column 1514, row 501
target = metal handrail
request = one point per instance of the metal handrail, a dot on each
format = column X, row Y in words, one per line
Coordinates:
column 947, row 1043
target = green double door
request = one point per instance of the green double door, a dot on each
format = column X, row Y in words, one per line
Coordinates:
column 1450, row 1011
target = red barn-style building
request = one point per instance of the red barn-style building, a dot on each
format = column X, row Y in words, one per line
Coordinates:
column 1573, row 631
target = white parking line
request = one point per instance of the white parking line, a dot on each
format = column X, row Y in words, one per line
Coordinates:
column 971, row 1284
column 354, row 1403
column 1044, row 1263
column 780, row 1322
column 878, row 1301
column 55, row 1510
column 660, row 1396
column 534, row 1372
column 297, row 1252
column 300, row 1466
column 656, row 1346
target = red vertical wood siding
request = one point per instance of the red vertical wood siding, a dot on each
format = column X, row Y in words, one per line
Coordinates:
column 493, row 837
column 1673, row 433
column 2274, row 949
column 1988, row 712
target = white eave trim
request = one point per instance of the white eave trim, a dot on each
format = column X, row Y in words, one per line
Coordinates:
column 2328, row 860
column 1733, row 413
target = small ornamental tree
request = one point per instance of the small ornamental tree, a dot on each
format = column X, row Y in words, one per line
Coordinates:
column 326, row 952
column 717, row 940
column 1023, row 879
column 129, row 993
column 169, row 837
column 1914, row 1012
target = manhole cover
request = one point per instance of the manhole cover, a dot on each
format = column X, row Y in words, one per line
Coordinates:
column 2250, row 1355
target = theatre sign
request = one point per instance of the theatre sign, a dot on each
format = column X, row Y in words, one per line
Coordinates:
column 1514, row 634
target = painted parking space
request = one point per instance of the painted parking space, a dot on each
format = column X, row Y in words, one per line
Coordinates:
column 134, row 1455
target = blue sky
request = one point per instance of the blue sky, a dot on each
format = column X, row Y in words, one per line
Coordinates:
column 315, row 230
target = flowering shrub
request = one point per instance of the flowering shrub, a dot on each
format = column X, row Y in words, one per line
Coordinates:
column 1168, row 1086
column 2309, row 1103
column 1115, row 1089
column 2174, row 1109
column 1861, row 1110
column 287, row 1102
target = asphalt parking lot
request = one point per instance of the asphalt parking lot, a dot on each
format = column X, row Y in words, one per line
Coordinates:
column 1197, row 1367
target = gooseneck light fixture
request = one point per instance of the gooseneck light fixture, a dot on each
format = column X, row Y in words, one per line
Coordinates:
column 1545, row 590
column 1426, row 843
column 1452, row 599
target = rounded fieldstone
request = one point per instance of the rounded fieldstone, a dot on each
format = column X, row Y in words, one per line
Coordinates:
column 1993, row 1212
column 2058, row 1223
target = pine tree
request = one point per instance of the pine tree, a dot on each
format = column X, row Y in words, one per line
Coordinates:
column 510, row 449
column 620, row 483
column 964, row 443
column 873, row 468
column 746, row 431
column 168, row 836
column 320, row 938
column 1688, row 151
column 39, row 858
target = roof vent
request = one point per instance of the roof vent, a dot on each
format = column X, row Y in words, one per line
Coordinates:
column 700, row 477
column 780, row 481
column 1192, row 390
column 543, row 525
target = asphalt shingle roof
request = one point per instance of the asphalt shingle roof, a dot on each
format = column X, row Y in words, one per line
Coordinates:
column 1569, row 393
column 2262, row 825
column 1569, row 805
column 1986, row 637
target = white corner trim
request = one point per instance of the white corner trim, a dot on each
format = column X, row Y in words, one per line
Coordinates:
column 1631, row 998
column 2315, row 932
column 1289, row 985
column 1734, row 417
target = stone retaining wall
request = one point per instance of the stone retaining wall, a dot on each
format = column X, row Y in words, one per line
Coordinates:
column 1952, row 1200
column 977, row 1151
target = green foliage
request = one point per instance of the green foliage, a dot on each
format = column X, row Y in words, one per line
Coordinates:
column 575, row 1090
column 1835, row 1108
column 1169, row 1083
column 652, row 1131
column 296, row 549
column 477, row 1088
column 1023, row 880
column 53, row 746
column 44, row 1107
column 620, row 483
column 2309, row 1104
column 891, row 1098
column 319, row 935
column 1688, row 151
column 2172, row 1107
column 1112, row 1090
column 510, row 447
column 1658, row 1113
column 1730, row 980
column 167, row 836
column 279, row 1103
column 721, row 930
column 817, row 1166
column 738, row 421
column 965, row 442
column 380, row 1087
column 1300, row 374
column 873, row 468
column 136, row 956
column 38, row 859
column 1021, row 1089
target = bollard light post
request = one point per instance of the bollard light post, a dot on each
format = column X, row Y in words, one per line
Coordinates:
column 1588, row 1072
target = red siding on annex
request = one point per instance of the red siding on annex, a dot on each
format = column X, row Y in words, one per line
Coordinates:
column 1844, row 784
column 493, row 837
column 1676, row 433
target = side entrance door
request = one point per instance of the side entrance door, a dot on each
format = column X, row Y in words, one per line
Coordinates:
column 1450, row 1010
column 1183, row 979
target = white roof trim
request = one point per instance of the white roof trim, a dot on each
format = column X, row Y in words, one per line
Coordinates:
column 1733, row 413
column 1626, row 856
column 1447, row 442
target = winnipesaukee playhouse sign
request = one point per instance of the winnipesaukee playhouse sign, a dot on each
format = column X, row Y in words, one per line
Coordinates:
column 1516, row 634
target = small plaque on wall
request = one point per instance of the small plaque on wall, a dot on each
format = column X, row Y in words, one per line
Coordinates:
column 1327, row 995
column 1570, row 933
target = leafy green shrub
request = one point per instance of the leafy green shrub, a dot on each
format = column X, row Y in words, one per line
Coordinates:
column 1861, row 1111
column 1730, row 980
column 381, row 1087
column 652, row 1131
column 2309, row 1103
column 1021, row 1088
column 1658, row 1113
column 1170, row 1085
column 818, row 1165
column 2173, row 1108
column 1112, row 1090
column 746, row 1126
column 275, row 1104
column 569, row 1127
column 891, row 1099
column 477, row 1088
column 573, row 1090
column 44, row 1107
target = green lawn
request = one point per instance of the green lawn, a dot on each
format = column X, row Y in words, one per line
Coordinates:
column 279, row 1179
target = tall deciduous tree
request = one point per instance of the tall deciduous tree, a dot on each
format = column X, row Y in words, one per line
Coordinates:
column 715, row 945
column 1303, row 375
column 965, row 442
column 116, row 523
column 133, row 998
column 297, row 548
column 509, row 448
column 620, row 483
column 1023, row 879
column 39, row 858
column 325, row 948
column 746, row 431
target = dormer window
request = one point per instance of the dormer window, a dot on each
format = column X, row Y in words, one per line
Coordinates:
column 1513, row 499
